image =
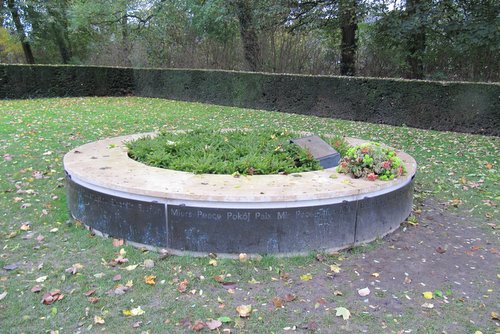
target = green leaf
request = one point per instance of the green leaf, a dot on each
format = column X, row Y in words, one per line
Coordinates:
column 342, row 312
column 225, row 319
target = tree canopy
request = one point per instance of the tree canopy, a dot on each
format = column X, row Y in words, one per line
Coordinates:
column 419, row 39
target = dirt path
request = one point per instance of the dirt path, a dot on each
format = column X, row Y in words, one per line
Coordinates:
column 446, row 253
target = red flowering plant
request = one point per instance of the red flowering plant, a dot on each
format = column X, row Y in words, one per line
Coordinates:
column 372, row 161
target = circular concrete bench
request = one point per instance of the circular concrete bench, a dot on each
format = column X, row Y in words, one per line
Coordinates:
column 197, row 214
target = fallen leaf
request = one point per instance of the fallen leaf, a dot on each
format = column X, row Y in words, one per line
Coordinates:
column 337, row 293
column 120, row 289
column 117, row 277
column 440, row 250
column 284, row 275
column 36, row 288
column 219, row 278
column 289, row 297
column 25, row 227
column 3, row 295
column 244, row 310
column 306, row 277
column 117, row 242
column 342, row 312
column 278, row 302
column 184, row 322
column 428, row 305
column 428, row 295
column 198, row 325
column 182, row 286
column 253, row 281
column 41, row 279
column 148, row 264
column 213, row 324
column 243, row 257
column 74, row 268
column 376, row 275
column 51, row 297
column 98, row 320
column 224, row 319
column 136, row 324
column 133, row 312
column 364, row 292
column 494, row 316
column 150, row 279
column 93, row 300
column 335, row 268
column 54, row 230
column 131, row 267
column 213, row 262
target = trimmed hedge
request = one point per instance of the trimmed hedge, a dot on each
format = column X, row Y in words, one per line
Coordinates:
column 451, row 106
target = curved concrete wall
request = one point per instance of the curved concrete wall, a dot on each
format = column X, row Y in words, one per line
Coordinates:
column 199, row 214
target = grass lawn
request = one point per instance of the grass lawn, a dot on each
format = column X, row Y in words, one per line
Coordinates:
column 449, row 247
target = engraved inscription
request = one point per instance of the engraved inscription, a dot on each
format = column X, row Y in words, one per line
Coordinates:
column 248, row 215
column 260, row 230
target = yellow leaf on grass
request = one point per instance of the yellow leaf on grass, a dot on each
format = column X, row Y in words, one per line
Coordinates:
column 98, row 320
column 150, row 279
column 306, row 277
column 133, row 312
column 334, row 268
column 428, row 295
column 131, row 267
column 213, row 262
column 244, row 310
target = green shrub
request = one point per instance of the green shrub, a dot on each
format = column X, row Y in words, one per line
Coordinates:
column 229, row 152
column 372, row 161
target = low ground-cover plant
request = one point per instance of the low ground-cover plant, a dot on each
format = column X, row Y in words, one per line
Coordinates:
column 227, row 152
column 373, row 161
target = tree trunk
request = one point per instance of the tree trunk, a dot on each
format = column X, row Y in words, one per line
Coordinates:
column 125, row 40
column 416, row 39
column 20, row 31
column 248, row 34
column 348, row 27
column 59, row 29
column 64, row 50
column 2, row 15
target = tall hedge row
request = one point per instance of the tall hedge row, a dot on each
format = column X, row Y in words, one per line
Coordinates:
column 452, row 106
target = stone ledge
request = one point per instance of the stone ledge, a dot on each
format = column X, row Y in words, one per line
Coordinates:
column 199, row 214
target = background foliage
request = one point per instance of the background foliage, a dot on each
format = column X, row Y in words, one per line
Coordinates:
column 443, row 40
